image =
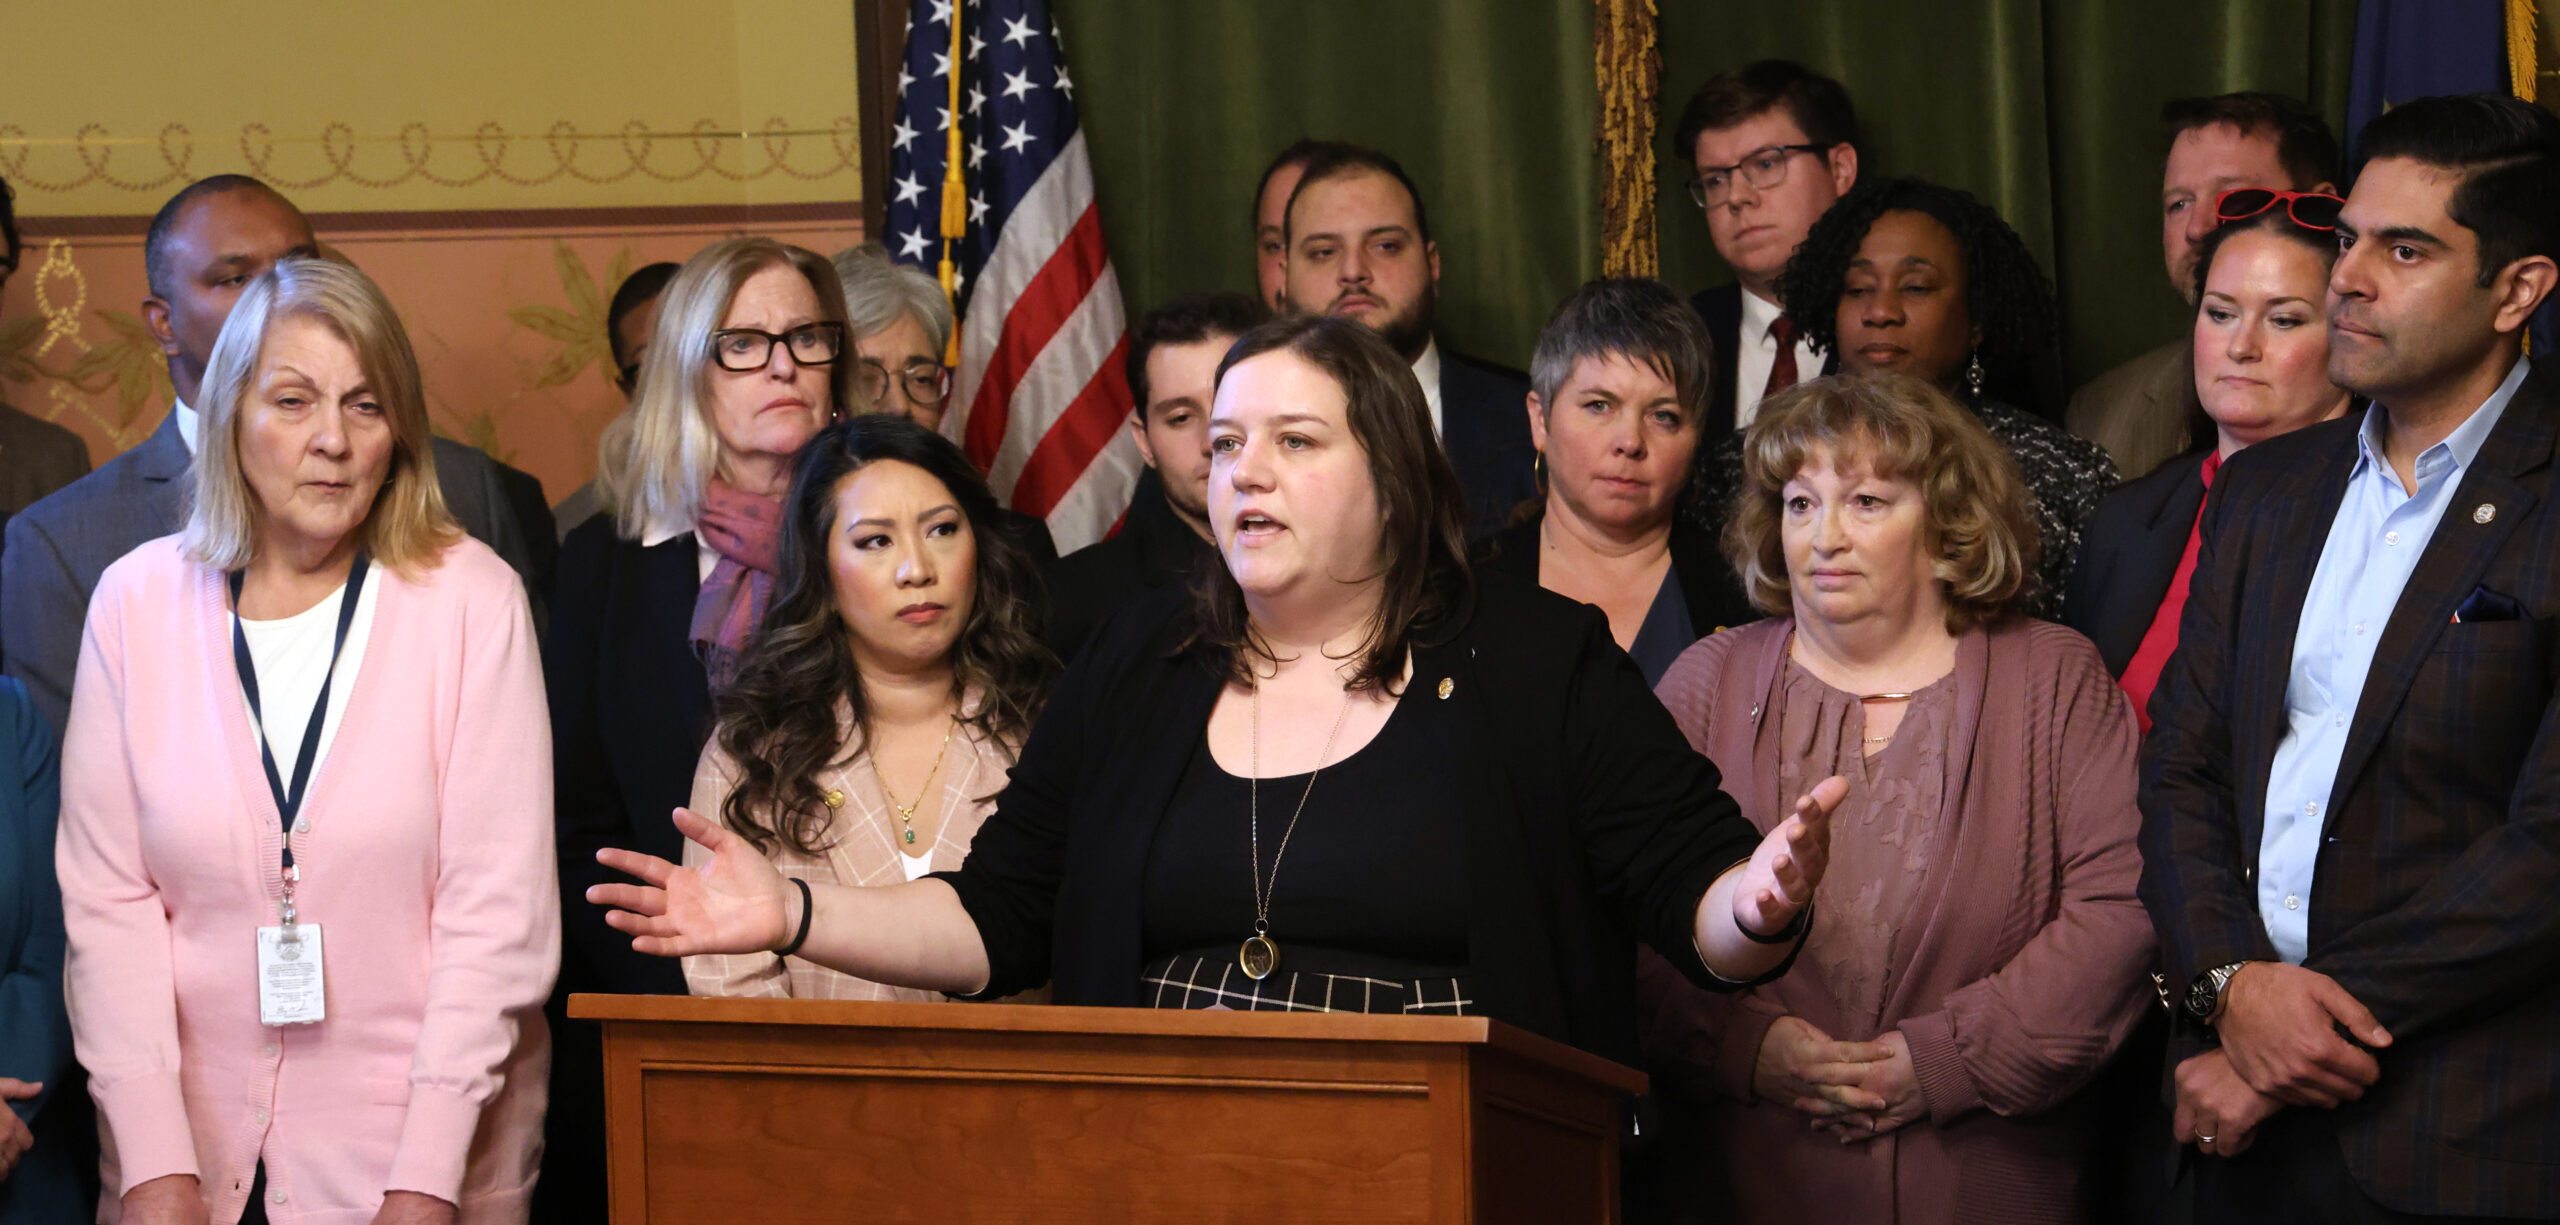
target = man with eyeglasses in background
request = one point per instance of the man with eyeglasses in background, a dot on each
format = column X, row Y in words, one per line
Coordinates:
column 1774, row 144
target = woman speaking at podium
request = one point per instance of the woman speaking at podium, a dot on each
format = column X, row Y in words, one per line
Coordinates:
column 1476, row 805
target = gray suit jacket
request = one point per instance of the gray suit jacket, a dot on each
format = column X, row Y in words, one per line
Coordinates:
column 2140, row 411
column 57, row 548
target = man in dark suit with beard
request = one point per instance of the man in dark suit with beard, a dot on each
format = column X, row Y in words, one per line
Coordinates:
column 1359, row 246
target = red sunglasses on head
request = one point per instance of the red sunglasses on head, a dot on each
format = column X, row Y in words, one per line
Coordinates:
column 2312, row 210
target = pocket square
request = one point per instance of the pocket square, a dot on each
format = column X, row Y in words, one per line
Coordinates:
column 2486, row 605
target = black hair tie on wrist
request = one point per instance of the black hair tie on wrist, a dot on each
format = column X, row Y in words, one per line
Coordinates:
column 1792, row 932
column 809, row 905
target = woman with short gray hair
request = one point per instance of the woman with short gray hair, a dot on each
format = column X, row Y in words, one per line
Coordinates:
column 1618, row 385
column 901, row 336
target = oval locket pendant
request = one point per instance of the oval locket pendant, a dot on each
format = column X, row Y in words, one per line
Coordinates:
column 1259, row 957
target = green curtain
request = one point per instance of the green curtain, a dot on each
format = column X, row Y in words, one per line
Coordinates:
column 2046, row 109
column 1488, row 103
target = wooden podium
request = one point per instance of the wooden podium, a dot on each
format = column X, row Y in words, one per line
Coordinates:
column 756, row 1111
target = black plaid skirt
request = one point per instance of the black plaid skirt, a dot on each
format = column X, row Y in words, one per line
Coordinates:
column 1185, row 981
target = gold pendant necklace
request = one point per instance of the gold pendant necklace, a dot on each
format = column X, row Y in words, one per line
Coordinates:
column 1258, row 956
column 907, row 812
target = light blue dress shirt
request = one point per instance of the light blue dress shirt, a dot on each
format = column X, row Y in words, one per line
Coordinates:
column 2374, row 544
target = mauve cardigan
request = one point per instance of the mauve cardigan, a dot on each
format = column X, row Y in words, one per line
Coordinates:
column 2024, row 959
column 427, row 865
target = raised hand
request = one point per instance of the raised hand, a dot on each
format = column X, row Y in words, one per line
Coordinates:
column 2279, row 1026
column 1780, row 879
column 732, row 904
column 1801, row 1066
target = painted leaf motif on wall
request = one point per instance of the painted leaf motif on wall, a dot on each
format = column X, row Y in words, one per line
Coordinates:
column 17, row 349
column 579, row 330
column 131, row 364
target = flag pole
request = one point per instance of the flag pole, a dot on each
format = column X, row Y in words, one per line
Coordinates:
column 955, row 193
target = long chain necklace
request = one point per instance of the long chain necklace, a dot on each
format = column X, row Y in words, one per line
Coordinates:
column 1259, row 956
column 924, row 790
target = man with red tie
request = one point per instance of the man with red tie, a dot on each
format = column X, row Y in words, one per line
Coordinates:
column 1773, row 145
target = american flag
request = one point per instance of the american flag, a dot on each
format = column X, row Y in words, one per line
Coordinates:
column 1040, row 397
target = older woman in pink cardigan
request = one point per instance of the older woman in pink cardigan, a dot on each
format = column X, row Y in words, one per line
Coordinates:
column 1977, row 949
column 305, row 838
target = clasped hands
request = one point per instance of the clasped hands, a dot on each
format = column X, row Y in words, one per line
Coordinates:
column 2281, row 1046
column 1852, row 1091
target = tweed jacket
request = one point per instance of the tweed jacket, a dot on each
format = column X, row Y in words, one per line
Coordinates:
column 2432, row 896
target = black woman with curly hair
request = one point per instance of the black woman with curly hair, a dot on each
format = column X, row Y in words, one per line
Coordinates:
column 900, row 667
column 1910, row 277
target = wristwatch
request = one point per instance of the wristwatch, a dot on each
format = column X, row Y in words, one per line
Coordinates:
column 2204, row 995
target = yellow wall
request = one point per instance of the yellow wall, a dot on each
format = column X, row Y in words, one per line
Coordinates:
column 377, row 118
column 109, row 105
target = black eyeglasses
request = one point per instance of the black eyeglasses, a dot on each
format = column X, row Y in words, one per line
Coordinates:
column 925, row 381
column 746, row 350
column 1763, row 169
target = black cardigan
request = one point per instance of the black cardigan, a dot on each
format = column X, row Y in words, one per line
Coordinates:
column 1592, row 822
column 2129, row 552
column 1707, row 582
column 630, row 710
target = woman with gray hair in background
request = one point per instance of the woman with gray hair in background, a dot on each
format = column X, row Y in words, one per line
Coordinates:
column 658, row 597
column 1618, row 385
column 901, row 333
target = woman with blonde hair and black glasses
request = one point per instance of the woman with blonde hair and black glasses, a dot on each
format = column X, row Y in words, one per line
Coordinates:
column 317, row 711
column 659, row 597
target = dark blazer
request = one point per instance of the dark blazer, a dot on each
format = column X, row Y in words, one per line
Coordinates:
column 2432, row 901
column 1721, row 307
column 1707, row 584
column 1154, row 550
column 36, row 458
column 630, row 711
column 35, row 1033
column 1590, row 822
column 1484, row 426
column 2129, row 553
column 57, row 548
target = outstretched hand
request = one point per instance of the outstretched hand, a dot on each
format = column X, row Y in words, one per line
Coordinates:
column 732, row 904
column 1779, row 881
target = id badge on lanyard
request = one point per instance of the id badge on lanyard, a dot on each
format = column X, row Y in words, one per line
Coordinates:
column 292, row 983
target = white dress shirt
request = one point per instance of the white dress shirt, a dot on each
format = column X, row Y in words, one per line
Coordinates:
column 2374, row 544
column 187, row 424
column 1426, row 369
column 1756, row 353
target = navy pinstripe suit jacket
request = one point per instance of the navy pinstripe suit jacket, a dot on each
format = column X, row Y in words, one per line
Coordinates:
column 2436, row 897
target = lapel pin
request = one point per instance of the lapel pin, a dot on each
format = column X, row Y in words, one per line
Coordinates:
column 2485, row 513
column 1447, row 686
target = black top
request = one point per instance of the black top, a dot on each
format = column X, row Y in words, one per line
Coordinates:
column 630, row 710
column 1484, row 427
column 1370, row 883
column 2129, row 555
column 1709, row 594
column 1589, row 821
column 1154, row 549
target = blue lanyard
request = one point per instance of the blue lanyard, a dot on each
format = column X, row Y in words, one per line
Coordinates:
column 289, row 802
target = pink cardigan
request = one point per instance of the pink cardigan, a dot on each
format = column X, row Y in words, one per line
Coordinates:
column 428, row 865
column 2025, row 973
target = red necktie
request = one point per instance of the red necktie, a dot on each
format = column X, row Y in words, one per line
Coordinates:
column 1782, row 372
